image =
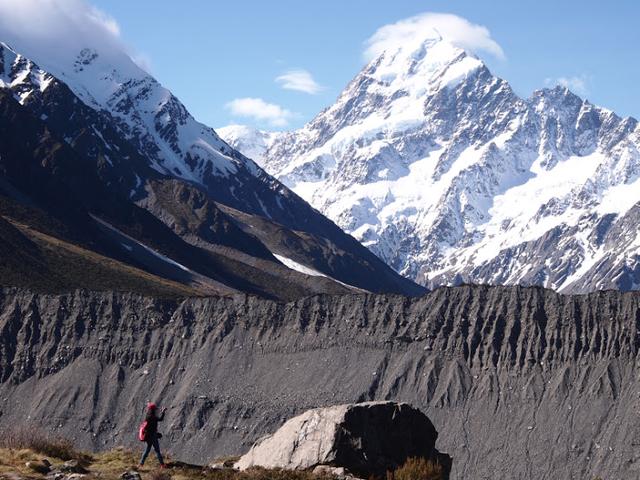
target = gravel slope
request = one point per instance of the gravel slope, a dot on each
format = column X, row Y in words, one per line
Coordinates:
column 519, row 382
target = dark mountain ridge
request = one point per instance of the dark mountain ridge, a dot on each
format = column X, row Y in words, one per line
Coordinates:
column 82, row 166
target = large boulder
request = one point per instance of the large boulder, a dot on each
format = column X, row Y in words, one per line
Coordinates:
column 365, row 438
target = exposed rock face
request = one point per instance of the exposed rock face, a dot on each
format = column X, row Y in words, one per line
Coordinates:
column 367, row 439
column 520, row 383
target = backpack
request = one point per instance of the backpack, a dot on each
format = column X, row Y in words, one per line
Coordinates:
column 142, row 431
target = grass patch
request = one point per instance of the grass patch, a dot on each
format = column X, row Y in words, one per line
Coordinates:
column 417, row 469
column 115, row 462
column 19, row 446
column 45, row 263
column 159, row 475
column 110, row 465
column 227, row 461
column 257, row 473
column 41, row 443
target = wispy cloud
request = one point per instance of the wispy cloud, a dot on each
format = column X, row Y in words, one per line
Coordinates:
column 260, row 110
column 142, row 60
column 56, row 30
column 299, row 80
column 457, row 30
column 577, row 84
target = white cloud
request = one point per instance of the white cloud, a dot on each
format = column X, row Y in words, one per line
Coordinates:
column 453, row 28
column 577, row 84
column 56, row 30
column 300, row 80
column 260, row 110
column 104, row 20
column 142, row 60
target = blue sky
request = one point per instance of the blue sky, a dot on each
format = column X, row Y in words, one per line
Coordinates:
column 210, row 53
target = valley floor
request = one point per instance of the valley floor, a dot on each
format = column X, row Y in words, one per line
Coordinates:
column 121, row 464
column 57, row 459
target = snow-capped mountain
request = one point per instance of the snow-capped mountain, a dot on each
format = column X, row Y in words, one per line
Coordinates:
column 148, row 115
column 444, row 172
column 252, row 142
column 152, row 155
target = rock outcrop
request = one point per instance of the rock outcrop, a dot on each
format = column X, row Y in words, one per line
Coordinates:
column 366, row 439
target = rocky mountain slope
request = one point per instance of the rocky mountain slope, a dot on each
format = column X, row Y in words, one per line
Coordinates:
column 519, row 382
column 444, row 172
column 101, row 149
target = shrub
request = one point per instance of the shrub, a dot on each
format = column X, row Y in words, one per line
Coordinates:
column 30, row 438
column 417, row 469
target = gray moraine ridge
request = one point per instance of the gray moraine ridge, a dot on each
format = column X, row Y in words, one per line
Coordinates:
column 519, row 382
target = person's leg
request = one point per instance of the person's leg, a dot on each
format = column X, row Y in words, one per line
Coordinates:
column 156, row 447
column 145, row 454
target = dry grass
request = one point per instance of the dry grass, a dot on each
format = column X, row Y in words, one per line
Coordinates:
column 111, row 464
column 257, row 473
column 65, row 266
column 19, row 447
column 29, row 438
column 114, row 462
column 417, row 469
column 13, row 463
column 159, row 475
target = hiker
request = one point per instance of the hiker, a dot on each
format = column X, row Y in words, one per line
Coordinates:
column 149, row 433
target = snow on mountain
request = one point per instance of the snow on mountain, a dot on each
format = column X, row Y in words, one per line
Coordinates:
column 252, row 142
column 148, row 116
column 146, row 111
column 146, row 146
column 444, row 172
column 21, row 74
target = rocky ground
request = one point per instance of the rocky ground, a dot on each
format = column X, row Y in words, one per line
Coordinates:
column 120, row 464
column 519, row 382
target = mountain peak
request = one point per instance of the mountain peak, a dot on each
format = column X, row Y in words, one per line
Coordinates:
column 390, row 93
column 20, row 73
column 557, row 99
column 444, row 172
column 415, row 45
column 252, row 142
column 555, row 92
column 421, row 62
